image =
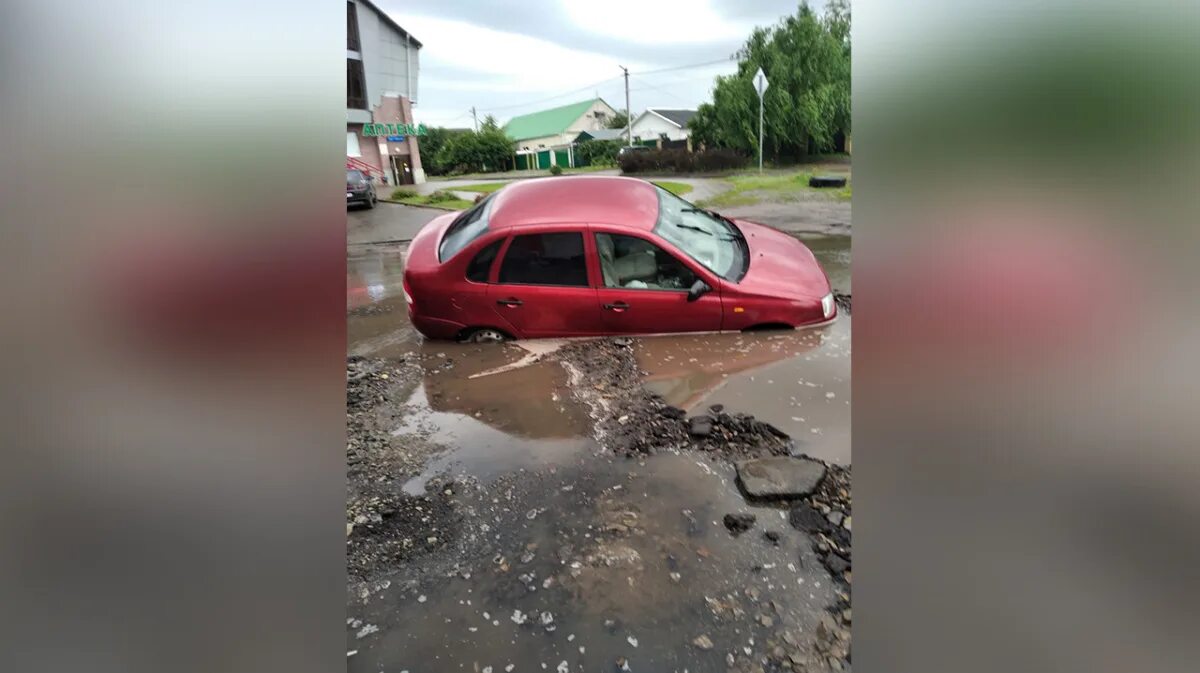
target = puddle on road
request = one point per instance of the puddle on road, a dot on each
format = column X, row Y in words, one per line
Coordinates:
column 589, row 563
column 798, row 381
column 493, row 423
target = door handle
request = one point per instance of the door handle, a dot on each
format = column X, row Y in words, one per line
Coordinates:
column 511, row 301
column 617, row 306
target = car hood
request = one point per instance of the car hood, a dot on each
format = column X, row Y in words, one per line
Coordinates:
column 780, row 265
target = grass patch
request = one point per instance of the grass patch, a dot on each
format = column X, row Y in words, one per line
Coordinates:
column 438, row 199
column 589, row 169
column 484, row 188
column 752, row 188
column 676, row 188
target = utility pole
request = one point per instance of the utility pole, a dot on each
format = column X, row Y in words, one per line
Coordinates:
column 628, row 112
column 475, row 118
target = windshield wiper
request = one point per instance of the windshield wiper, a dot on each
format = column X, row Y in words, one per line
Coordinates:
column 693, row 228
column 713, row 214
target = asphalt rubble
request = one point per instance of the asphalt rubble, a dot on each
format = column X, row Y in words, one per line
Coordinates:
column 400, row 536
column 632, row 421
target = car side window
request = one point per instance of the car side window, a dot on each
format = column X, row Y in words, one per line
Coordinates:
column 545, row 259
column 481, row 263
column 637, row 264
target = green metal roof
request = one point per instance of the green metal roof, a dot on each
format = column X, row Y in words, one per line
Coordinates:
column 547, row 122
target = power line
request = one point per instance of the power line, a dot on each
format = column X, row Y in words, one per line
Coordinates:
column 550, row 98
column 602, row 82
column 685, row 67
column 662, row 90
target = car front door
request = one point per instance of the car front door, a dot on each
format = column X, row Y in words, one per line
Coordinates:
column 543, row 285
column 643, row 288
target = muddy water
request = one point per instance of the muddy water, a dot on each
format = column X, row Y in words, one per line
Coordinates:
column 492, row 418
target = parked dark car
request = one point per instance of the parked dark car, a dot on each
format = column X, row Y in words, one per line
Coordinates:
column 628, row 149
column 359, row 190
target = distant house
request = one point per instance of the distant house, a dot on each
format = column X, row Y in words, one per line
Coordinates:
column 601, row 134
column 656, row 123
column 543, row 139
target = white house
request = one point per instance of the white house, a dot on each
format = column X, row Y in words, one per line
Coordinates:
column 656, row 123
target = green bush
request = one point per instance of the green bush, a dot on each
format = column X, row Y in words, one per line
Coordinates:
column 598, row 152
column 440, row 196
column 556, row 170
column 403, row 193
column 681, row 161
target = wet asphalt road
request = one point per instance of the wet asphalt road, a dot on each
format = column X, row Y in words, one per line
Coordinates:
column 571, row 594
column 386, row 222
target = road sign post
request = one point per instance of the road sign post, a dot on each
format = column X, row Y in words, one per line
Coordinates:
column 760, row 85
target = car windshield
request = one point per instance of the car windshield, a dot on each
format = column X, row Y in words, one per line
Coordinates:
column 354, row 176
column 707, row 238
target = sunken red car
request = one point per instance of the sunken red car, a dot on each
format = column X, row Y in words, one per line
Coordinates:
column 594, row 255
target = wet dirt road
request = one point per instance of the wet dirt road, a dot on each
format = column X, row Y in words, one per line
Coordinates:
column 560, row 555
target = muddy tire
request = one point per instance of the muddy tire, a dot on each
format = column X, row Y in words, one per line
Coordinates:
column 371, row 202
column 484, row 335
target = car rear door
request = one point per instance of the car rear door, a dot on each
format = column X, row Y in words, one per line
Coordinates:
column 643, row 286
column 544, row 283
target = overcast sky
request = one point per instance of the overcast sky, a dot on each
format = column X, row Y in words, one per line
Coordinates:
column 512, row 57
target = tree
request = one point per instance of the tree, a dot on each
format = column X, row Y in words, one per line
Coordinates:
column 619, row 120
column 431, row 145
column 489, row 149
column 806, row 59
column 489, row 123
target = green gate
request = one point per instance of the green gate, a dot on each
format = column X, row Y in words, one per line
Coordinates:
column 543, row 159
column 523, row 162
column 562, row 158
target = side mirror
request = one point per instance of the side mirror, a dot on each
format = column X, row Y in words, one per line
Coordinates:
column 697, row 290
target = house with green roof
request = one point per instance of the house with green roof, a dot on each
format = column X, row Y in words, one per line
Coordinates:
column 544, row 138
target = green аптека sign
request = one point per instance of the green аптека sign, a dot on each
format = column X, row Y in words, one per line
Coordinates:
column 393, row 130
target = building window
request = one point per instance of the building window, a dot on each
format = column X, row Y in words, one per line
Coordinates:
column 356, row 85
column 352, row 148
column 352, row 42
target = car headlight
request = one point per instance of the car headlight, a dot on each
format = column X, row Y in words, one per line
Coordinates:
column 827, row 305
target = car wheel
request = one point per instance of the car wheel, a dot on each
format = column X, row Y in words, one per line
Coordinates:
column 370, row 201
column 486, row 335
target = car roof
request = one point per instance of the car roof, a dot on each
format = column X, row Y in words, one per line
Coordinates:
column 576, row 199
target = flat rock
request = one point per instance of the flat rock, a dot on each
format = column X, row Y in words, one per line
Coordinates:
column 700, row 426
column 780, row 476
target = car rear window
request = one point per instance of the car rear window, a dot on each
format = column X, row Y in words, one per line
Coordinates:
column 464, row 229
column 545, row 259
column 481, row 264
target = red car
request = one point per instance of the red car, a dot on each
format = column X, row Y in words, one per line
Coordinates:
column 593, row 255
